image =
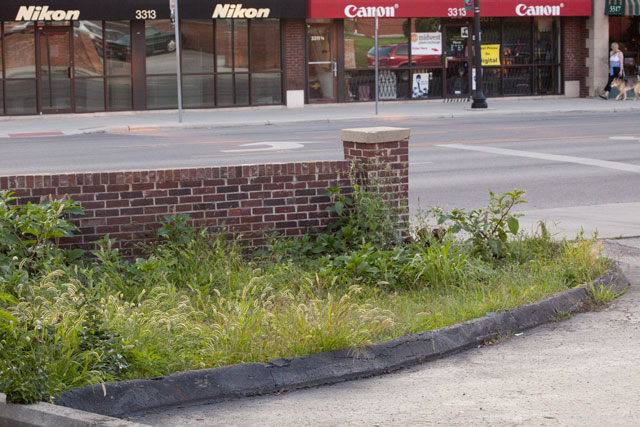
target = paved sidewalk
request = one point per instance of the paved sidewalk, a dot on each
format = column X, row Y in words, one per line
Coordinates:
column 73, row 124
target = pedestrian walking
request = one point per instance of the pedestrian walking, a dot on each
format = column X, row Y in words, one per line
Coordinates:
column 616, row 68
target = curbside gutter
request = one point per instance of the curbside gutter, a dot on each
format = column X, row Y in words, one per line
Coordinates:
column 121, row 399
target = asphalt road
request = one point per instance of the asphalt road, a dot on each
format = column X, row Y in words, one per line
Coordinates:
column 560, row 161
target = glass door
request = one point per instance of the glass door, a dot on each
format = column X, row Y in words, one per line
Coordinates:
column 323, row 68
column 457, row 53
column 54, row 69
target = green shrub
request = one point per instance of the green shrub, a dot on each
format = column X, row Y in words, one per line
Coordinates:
column 488, row 227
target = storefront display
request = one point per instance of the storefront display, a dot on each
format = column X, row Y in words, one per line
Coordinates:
column 85, row 56
column 624, row 29
column 433, row 39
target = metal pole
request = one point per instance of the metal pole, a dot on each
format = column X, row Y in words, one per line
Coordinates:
column 178, row 68
column 479, row 100
column 375, row 14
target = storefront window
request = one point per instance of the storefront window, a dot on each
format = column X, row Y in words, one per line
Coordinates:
column 20, row 67
column 394, row 59
column 160, row 49
column 517, row 41
column 546, row 49
column 266, row 77
column 88, row 53
column 197, row 47
column 118, row 48
column 119, row 93
column 117, row 36
column 625, row 30
column 89, row 94
column 492, row 58
column 88, row 47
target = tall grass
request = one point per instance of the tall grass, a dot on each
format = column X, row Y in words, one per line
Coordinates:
column 205, row 302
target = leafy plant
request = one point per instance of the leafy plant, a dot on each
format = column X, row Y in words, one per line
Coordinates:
column 29, row 233
column 488, row 227
column 603, row 295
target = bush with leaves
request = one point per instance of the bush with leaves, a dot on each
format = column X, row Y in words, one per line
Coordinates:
column 488, row 227
column 29, row 233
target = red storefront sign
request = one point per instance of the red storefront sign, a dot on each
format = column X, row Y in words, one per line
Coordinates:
column 444, row 8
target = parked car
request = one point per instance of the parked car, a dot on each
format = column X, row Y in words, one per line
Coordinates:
column 397, row 55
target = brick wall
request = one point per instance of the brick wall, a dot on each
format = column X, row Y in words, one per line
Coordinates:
column 250, row 199
column 294, row 49
column 575, row 52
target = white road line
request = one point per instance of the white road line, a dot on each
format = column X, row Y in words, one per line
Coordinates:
column 553, row 157
column 271, row 146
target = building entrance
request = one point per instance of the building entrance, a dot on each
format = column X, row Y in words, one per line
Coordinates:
column 323, row 64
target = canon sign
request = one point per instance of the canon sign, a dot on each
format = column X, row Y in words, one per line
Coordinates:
column 352, row 11
column 524, row 10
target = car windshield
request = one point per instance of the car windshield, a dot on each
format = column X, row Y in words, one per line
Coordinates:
column 382, row 51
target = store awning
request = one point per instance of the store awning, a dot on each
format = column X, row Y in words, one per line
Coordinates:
column 65, row 10
column 444, row 8
column 622, row 7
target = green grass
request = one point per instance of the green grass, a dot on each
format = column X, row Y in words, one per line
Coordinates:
column 198, row 301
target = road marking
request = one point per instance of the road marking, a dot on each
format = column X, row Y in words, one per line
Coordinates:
column 262, row 153
column 625, row 138
column 271, row 146
column 553, row 157
column 492, row 141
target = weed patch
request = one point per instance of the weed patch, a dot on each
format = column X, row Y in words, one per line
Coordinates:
column 196, row 300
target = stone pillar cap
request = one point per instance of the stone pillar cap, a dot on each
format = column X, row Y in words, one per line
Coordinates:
column 375, row 135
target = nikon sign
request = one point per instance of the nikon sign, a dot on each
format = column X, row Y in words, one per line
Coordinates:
column 237, row 11
column 129, row 10
column 43, row 13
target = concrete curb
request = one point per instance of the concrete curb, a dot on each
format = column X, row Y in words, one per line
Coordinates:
column 45, row 414
column 204, row 386
column 446, row 115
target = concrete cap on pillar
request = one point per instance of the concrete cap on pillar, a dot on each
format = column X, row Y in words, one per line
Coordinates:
column 375, row 135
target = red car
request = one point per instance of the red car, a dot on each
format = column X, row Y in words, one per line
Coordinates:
column 397, row 55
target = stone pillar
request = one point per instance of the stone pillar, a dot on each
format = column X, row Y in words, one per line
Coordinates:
column 598, row 47
column 382, row 154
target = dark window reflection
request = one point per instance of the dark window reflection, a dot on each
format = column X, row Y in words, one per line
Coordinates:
column 89, row 95
column 197, row 47
column 198, row 91
column 21, row 96
column 162, row 92
column 225, row 89
column 119, row 93
column 266, row 88
column 224, row 45
column 241, row 44
column 160, row 46
column 118, row 48
column 265, row 45
column 88, row 48
column 20, row 50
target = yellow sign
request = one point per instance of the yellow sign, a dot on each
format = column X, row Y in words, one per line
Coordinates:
column 490, row 55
